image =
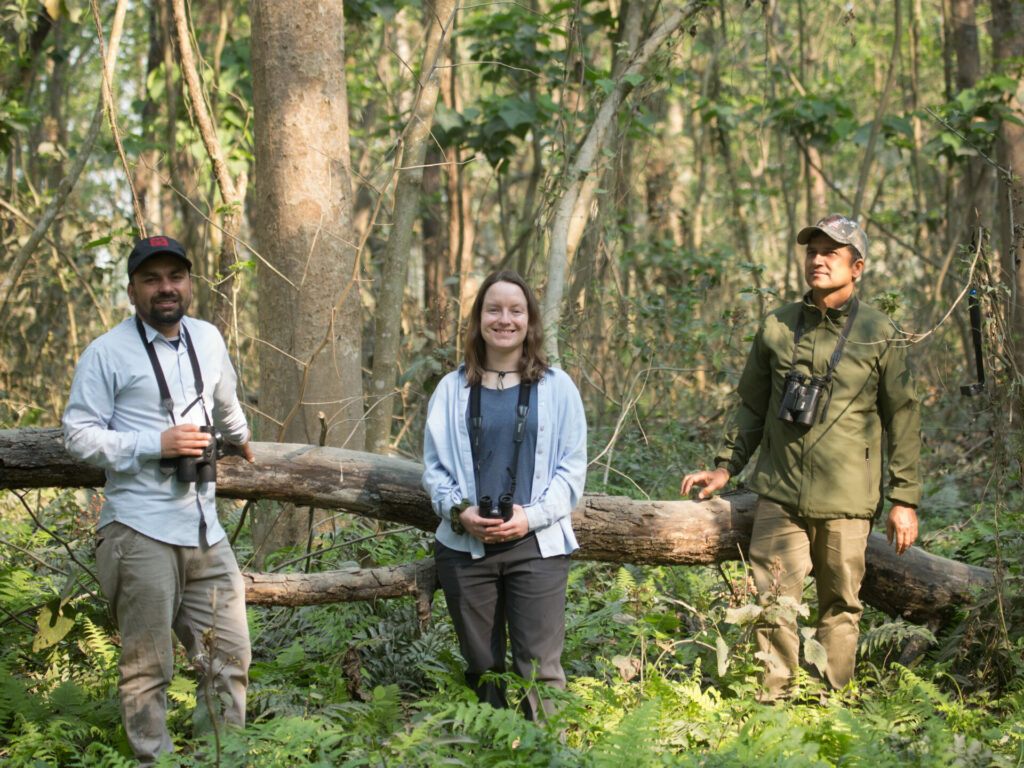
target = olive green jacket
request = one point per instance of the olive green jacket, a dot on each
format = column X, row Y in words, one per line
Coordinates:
column 831, row 469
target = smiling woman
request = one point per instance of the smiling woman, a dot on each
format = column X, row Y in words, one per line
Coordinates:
column 520, row 423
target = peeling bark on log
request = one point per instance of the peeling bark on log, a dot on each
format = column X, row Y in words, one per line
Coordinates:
column 917, row 585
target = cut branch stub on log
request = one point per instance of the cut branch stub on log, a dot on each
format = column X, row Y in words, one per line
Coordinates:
column 917, row 585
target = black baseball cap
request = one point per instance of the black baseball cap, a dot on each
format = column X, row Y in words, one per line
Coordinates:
column 153, row 246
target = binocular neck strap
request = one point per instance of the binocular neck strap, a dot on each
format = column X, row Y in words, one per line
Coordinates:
column 165, row 393
column 837, row 353
column 476, row 431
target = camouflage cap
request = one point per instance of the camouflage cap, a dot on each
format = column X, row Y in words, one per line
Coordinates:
column 840, row 229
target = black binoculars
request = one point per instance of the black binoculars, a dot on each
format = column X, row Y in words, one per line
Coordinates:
column 504, row 510
column 202, row 468
column 800, row 398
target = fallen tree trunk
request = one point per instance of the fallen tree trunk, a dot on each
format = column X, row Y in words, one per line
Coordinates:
column 347, row 585
column 917, row 585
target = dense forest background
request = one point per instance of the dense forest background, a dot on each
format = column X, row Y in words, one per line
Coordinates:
column 343, row 176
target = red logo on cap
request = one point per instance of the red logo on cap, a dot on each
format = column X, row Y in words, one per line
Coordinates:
column 158, row 241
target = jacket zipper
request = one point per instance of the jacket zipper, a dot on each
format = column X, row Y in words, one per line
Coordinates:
column 867, row 470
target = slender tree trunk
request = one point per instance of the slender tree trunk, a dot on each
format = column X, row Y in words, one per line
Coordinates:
column 613, row 208
column 582, row 180
column 147, row 177
column 869, row 152
column 232, row 190
column 971, row 181
column 413, row 150
column 435, row 241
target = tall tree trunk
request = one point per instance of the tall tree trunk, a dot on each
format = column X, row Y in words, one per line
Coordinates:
column 309, row 308
column 460, row 218
column 1008, row 51
column 409, row 162
column 971, row 180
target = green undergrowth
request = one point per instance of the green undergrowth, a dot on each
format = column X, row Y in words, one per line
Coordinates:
column 661, row 662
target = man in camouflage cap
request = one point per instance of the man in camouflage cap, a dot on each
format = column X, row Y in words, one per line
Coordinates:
column 826, row 383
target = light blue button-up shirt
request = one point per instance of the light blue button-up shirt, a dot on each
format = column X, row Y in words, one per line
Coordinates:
column 560, row 461
column 114, row 420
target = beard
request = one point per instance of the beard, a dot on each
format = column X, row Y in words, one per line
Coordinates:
column 163, row 316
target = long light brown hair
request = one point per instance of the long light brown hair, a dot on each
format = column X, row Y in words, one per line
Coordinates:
column 533, row 364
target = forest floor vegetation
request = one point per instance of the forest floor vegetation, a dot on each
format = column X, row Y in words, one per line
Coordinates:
column 661, row 661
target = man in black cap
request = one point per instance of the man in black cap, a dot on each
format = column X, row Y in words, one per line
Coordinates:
column 826, row 378
column 147, row 398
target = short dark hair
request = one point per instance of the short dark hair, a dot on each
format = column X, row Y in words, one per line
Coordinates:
column 534, row 363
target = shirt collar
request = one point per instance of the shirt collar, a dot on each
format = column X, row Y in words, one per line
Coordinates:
column 152, row 333
column 832, row 313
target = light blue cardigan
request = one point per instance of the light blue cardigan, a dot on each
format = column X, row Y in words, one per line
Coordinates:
column 560, row 463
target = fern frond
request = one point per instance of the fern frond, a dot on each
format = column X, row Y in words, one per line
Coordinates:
column 631, row 741
column 99, row 644
column 892, row 634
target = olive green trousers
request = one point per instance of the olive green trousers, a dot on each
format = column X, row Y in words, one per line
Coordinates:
column 785, row 549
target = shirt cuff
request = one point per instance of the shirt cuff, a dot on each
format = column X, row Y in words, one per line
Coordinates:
column 148, row 446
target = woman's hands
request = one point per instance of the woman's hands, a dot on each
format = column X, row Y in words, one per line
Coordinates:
column 495, row 531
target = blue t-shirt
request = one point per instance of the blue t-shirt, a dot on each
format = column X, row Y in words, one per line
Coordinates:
column 498, row 415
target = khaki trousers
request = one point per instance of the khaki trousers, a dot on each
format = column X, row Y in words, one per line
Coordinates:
column 834, row 549
column 155, row 589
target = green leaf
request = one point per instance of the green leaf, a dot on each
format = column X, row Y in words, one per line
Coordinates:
column 292, row 656
column 516, row 112
column 628, row 666
column 633, row 80
column 97, row 243
column 785, row 611
column 723, row 655
column 182, row 690
column 744, row 614
column 448, row 119
column 606, row 85
column 814, row 651
column 53, row 624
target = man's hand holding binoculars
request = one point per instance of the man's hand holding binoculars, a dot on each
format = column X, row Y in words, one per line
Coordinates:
column 189, row 440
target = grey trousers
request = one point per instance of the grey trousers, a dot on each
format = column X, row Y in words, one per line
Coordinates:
column 517, row 588
column 155, row 589
column 835, row 550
